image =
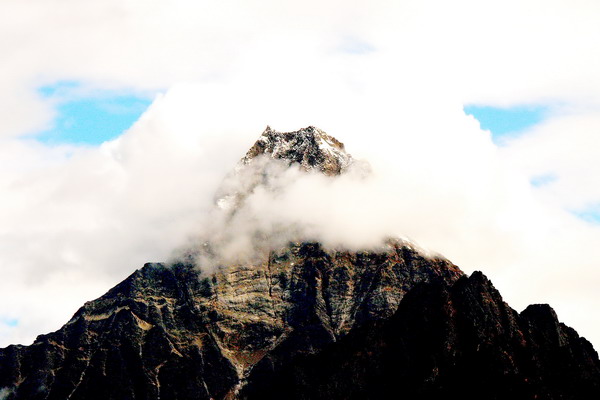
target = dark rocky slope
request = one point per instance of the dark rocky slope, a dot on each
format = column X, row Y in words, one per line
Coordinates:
column 456, row 340
column 166, row 332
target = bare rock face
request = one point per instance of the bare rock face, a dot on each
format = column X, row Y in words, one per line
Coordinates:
column 457, row 340
column 167, row 332
column 142, row 340
column 304, row 322
column 310, row 147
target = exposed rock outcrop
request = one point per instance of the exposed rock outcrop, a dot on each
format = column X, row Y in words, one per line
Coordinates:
column 310, row 147
column 457, row 340
column 167, row 332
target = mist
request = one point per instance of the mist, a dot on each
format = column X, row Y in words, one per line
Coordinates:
column 438, row 182
column 389, row 79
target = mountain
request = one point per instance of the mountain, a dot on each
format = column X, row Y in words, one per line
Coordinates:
column 302, row 321
column 267, row 161
column 458, row 341
column 311, row 148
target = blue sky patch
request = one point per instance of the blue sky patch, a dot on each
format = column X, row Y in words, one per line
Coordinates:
column 542, row 180
column 504, row 121
column 89, row 117
column 10, row 322
column 62, row 88
column 590, row 214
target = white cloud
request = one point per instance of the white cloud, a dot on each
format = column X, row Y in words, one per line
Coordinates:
column 74, row 221
column 565, row 148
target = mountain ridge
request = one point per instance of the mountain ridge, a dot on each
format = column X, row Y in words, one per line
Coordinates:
column 214, row 320
column 303, row 321
column 310, row 147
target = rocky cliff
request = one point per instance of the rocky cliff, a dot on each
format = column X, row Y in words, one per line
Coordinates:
column 310, row 148
column 457, row 340
column 304, row 322
column 168, row 332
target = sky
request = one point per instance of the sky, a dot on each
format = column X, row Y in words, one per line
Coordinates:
column 120, row 119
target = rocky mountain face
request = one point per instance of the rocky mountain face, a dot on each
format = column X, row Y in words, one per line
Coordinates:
column 457, row 340
column 265, row 163
column 310, row 147
column 305, row 322
column 168, row 332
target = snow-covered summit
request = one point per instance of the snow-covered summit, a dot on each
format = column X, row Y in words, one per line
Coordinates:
column 310, row 147
column 266, row 162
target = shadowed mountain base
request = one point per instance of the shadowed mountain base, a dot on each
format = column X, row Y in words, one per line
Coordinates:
column 445, row 341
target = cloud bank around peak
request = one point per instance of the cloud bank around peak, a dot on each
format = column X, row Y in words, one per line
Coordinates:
column 389, row 79
column 438, row 181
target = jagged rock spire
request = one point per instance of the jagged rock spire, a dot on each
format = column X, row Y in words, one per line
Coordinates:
column 311, row 147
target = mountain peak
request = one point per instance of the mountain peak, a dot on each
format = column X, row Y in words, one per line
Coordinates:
column 301, row 320
column 311, row 147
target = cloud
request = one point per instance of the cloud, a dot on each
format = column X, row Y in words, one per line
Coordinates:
column 563, row 147
column 77, row 220
column 514, row 52
column 389, row 79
